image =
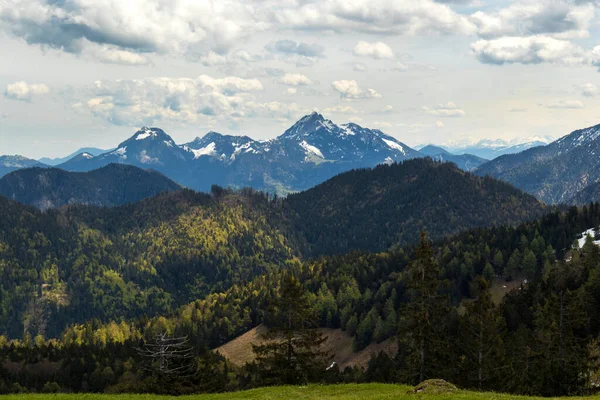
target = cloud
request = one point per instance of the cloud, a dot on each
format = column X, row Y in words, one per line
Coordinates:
column 445, row 110
column 340, row 109
column 211, row 59
column 174, row 26
column 291, row 47
column 561, row 19
column 589, row 89
column 302, row 54
column 181, row 100
column 440, row 124
column 295, row 80
column 528, row 50
column 568, row 104
column 350, row 90
column 408, row 17
column 25, row 92
column 517, row 109
column 382, row 125
column 376, row 50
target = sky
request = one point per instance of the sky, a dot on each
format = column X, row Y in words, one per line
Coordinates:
column 78, row 73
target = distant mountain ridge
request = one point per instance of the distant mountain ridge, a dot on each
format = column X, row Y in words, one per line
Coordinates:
column 111, row 185
column 553, row 173
column 490, row 149
column 93, row 151
column 466, row 162
column 16, row 162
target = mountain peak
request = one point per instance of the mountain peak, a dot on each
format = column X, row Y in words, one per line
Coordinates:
column 308, row 124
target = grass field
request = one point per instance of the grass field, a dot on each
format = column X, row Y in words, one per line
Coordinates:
column 354, row 392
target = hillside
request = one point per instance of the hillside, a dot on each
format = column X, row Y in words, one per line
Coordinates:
column 553, row 173
column 109, row 186
column 364, row 391
column 589, row 194
column 339, row 343
column 466, row 162
column 373, row 209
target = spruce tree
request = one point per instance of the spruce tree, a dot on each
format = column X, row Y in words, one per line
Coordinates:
column 423, row 338
column 292, row 352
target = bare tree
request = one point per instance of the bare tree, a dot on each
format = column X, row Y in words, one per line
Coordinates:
column 169, row 356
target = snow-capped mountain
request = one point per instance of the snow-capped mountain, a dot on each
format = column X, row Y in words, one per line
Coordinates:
column 311, row 151
column 493, row 148
column 555, row 172
column 13, row 163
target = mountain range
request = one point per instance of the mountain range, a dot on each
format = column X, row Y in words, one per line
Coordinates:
column 556, row 172
column 490, row 149
column 311, row 151
column 112, row 185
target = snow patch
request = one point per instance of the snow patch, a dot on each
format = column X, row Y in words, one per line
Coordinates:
column 590, row 232
column 205, row 151
column 147, row 132
column 311, row 149
column 393, row 145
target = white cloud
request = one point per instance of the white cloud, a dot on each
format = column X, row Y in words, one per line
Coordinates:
column 211, row 59
column 350, row 90
column 528, row 50
column 290, row 91
column 439, row 124
column 382, row 125
column 376, row 50
column 295, row 80
column 162, row 26
column 340, row 109
column 181, row 100
column 409, row 17
column 560, row 19
column 25, row 92
column 445, row 110
column 569, row 104
column 589, row 89
column 387, row 109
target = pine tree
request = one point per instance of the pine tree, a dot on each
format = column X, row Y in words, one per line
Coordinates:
column 292, row 352
column 481, row 340
column 422, row 337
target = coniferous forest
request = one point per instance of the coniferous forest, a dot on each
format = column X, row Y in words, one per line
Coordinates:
column 85, row 292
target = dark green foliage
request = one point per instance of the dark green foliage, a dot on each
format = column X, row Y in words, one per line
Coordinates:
column 373, row 209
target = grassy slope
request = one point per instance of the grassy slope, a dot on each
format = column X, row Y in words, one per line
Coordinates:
column 354, row 392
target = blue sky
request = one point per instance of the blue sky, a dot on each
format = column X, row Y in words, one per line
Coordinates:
column 89, row 73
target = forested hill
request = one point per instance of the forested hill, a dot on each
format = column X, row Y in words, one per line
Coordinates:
column 373, row 209
column 111, row 185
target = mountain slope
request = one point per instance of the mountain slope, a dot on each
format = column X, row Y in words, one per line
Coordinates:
column 373, row 209
column 553, row 173
column 13, row 163
column 112, row 185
